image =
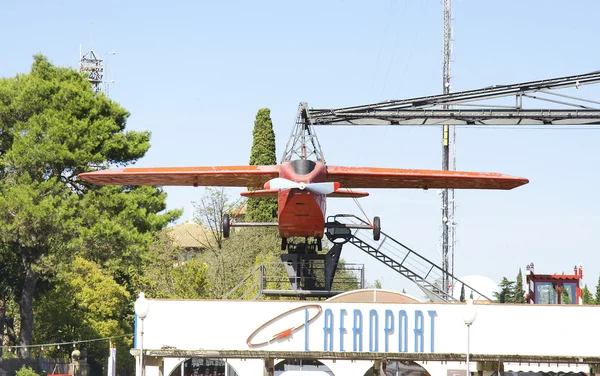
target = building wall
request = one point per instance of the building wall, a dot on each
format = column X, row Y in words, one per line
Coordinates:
column 499, row 329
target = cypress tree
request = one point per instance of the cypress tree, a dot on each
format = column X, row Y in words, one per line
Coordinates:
column 597, row 298
column 586, row 295
column 519, row 292
column 506, row 291
column 262, row 153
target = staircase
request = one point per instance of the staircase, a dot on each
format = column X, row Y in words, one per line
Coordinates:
column 272, row 280
column 424, row 273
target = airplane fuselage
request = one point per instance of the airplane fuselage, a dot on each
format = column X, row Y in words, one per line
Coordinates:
column 302, row 213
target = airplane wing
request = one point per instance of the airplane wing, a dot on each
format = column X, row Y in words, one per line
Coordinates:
column 217, row 176
column 372, row 177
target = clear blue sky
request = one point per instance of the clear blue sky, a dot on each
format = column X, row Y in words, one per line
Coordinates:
column 195, row 73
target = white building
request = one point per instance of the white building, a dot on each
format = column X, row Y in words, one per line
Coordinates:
column 354, row 336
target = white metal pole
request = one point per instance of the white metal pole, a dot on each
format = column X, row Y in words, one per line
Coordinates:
column 468, row 348
column 142, row 373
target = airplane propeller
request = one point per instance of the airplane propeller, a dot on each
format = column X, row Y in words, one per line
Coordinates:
column 320, row 188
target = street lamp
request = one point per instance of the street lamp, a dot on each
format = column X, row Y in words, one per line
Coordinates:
column 141, row 310
column 469, row 316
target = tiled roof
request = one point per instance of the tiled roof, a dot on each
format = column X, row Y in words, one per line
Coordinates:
column 190, row 235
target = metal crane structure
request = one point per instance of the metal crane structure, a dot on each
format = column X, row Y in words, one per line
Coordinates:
column 465, row 108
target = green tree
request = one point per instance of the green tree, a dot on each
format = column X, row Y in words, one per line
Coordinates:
column 26, row 371
column 53, row 127
column 117, row 227
column 462, row 293
column 172, row 274
column 262, row 153
column 191, row 280
column 597, row 297
column 506, row 291
column 84, row 302
column 586, row 296
column 230, row 259
column 518, row 292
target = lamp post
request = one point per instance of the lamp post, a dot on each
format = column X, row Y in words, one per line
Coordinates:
column 141, row 310
column 469, row 316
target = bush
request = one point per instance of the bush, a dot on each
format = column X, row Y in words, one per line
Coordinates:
column 26, row 371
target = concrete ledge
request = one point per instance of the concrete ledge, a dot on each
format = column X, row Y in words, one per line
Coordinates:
column 417, row 357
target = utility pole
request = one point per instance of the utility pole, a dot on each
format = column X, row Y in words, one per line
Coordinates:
column 446, row 222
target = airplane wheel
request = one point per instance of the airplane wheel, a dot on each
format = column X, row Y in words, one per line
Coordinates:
column 319, row 244
column 376, row 228
column 283, row 244
column 226, row 225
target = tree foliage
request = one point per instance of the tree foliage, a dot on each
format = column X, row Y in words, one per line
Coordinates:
column 26, row 371
column 53, row 127
column 586, row 296
column 262, row 153
column 519, row 292
column 84, row 302
column 511, row 291
column 245, row 250
column 506, row 291
column 597, row 296
column 190, row 280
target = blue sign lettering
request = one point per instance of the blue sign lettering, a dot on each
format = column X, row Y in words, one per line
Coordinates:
column 328, row 330
column 342, row 329
column 402, row 331
column 432, row 315
column 418, row 331
column 389, row 330
column 373, row 332
column 306, row 330
column 357, row 330
column 388, row 327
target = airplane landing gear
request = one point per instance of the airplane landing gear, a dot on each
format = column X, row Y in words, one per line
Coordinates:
column 284, row 244
column 376, row 228
column 339, row 231
column 226, row 225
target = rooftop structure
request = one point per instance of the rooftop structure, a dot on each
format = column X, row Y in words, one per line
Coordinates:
column 554, row 288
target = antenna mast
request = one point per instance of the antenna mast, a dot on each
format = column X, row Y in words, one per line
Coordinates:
column 93, row 65
column 447, row 221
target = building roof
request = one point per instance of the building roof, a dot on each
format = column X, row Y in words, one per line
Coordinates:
column 373, row 296
column 190, row 235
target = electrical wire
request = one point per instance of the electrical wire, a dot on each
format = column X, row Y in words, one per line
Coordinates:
column 64, row 343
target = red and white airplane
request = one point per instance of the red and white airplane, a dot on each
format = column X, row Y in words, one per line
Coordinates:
column 302, row 186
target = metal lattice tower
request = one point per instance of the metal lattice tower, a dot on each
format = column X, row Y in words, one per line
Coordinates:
column 303, row 142
column 446, row 220
column 93, row 65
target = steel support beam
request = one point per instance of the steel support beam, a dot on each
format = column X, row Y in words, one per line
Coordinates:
column 433, row 109
column 484, row 116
